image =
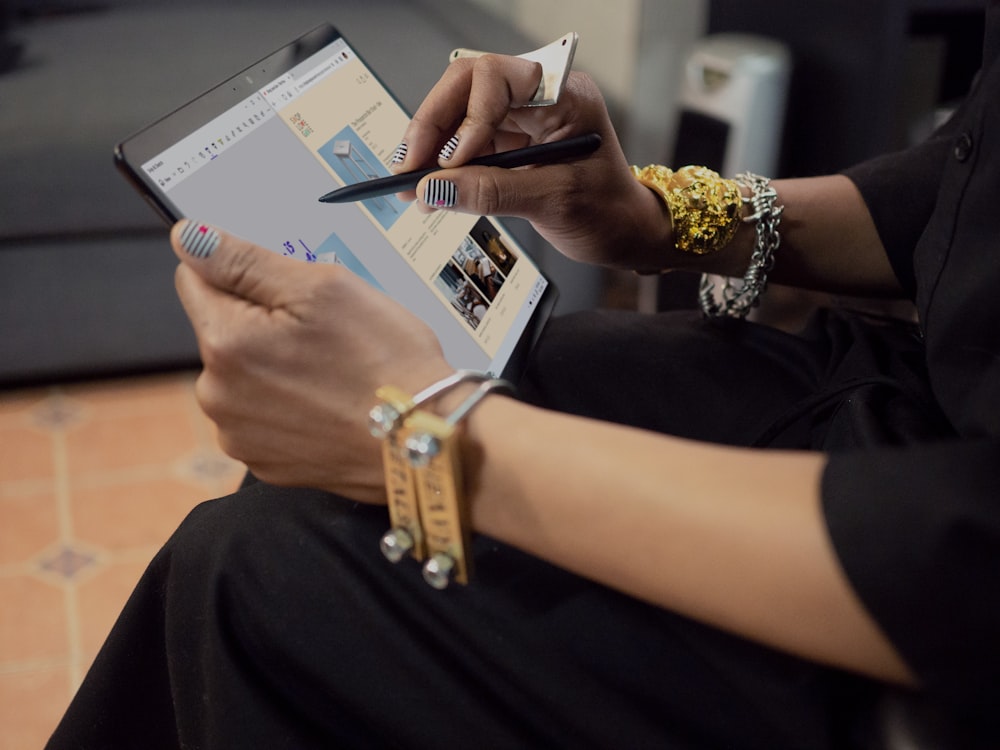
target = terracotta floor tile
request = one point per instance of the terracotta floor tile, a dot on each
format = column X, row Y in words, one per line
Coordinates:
column 20, row 401
column 145, row 395
column 25, row 453
column 31, row 704
column 138, row 455
column 29, row 523
column 127, row 441
column 36, row 626
column 124, row 515
column 100, row 599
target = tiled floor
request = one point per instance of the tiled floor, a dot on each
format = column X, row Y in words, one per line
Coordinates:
column 93, row 479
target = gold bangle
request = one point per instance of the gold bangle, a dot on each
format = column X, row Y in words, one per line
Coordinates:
column 426, row 494
column 386, row 421
column 705, row 209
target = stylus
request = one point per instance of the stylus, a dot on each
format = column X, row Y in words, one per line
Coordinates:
column 543, row 153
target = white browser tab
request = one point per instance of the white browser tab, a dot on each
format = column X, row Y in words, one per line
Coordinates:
column 299, row 80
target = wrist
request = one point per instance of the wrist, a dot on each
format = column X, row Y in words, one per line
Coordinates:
column 702, row 209
column 492, row 436
column 653, row 229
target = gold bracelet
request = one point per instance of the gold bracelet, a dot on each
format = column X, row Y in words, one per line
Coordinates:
column 422, row 463
column 386, row 421
column 705, row 209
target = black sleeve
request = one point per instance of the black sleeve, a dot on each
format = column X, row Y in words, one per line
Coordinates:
column 917, row 531
column 900, row 190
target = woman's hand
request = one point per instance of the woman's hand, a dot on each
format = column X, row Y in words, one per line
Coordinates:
column 292, row 355
column 592, row 210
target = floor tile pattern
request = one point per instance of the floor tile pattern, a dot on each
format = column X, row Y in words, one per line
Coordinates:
column 93, row 479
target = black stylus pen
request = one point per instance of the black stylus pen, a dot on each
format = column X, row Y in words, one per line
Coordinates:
column 543, row 153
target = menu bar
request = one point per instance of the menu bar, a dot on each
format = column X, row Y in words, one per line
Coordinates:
column 184, row 158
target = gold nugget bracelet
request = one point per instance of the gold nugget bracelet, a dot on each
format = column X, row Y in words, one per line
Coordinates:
column 421, row 455
column 704, row 208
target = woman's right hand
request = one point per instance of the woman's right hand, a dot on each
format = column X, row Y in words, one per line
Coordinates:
column 592, row 209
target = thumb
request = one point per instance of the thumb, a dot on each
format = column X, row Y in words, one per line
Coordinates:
column 229, row 263
column 493, row 191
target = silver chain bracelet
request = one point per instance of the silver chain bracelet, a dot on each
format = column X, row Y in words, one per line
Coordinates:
column 735, row 301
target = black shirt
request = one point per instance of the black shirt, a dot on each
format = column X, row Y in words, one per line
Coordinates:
column 917, row 526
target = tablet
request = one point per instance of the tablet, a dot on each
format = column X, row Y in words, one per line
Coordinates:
column 253, row 155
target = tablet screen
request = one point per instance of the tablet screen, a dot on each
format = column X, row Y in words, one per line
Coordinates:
column 253, row 155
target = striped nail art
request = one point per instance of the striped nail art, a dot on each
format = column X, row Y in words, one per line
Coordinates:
column 199, row 240
column 440, row 194
column 399, row 154
column 449, row 148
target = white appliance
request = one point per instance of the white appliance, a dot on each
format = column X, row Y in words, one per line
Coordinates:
column 732, row 104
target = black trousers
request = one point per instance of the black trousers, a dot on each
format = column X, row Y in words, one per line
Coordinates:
column 271, row 620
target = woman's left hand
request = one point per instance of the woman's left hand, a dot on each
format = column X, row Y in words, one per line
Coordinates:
column 292, row 356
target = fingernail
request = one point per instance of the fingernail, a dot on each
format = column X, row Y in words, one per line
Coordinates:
column 449, row 148
column 399, row 154
column 440, row 194
column 199, row 240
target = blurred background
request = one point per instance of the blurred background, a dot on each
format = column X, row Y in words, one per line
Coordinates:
column 102, row 447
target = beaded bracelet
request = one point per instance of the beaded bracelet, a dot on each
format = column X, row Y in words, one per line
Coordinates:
column 424, row 485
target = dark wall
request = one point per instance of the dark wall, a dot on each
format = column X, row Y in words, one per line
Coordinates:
column 853, row 60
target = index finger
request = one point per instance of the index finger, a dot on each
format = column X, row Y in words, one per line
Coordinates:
column 462, row 114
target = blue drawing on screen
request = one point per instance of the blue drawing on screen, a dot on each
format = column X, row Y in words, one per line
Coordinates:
column 302, row 251
column 333, row 250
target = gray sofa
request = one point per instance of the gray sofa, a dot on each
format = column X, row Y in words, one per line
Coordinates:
column 86, row 277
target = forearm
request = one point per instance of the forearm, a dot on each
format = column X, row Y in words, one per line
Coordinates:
column 828, row 242
column 731, row 537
